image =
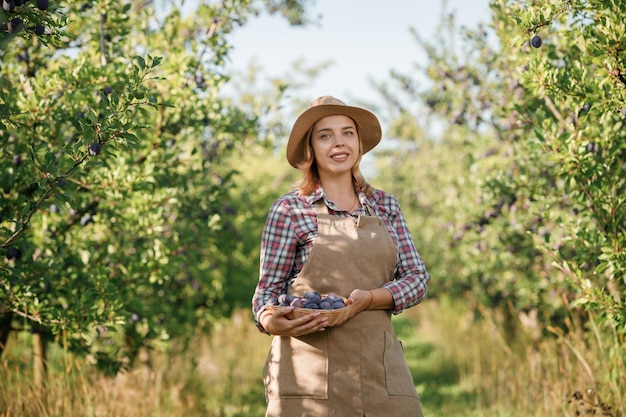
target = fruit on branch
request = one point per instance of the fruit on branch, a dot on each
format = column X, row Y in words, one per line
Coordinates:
column 14, row 254
column 8, row 5
column 15, row 25
column 536, row 41
column 95, row 148
column 39, row 29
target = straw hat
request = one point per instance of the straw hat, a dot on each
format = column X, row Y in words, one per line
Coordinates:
column 367, row 124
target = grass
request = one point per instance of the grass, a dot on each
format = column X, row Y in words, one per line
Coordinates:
column 465, row 367
column 461, row 367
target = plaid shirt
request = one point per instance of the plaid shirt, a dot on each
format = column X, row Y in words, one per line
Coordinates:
column 290, row 232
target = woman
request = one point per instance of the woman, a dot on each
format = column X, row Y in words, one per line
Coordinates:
column 337, row 234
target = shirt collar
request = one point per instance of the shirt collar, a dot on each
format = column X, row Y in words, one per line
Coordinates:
column 319, row 194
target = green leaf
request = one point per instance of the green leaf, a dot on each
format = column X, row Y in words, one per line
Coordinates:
column 141, row 62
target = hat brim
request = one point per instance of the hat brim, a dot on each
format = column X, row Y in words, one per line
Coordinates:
column 367, row 124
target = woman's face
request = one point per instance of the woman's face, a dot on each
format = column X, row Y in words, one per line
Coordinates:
column 335, row 144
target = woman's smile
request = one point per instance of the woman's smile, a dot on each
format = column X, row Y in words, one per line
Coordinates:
column 336, row 138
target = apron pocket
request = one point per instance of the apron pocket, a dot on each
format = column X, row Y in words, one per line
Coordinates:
column 297, row 367
column 397, row 375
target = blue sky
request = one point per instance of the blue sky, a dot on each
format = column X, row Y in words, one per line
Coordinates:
column 364, row 39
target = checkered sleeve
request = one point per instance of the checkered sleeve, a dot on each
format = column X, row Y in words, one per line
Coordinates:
column 411, row 279
column 278, row 251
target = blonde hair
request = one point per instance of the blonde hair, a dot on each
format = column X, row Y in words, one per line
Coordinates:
column 310, row 174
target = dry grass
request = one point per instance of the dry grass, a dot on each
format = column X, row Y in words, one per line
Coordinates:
column 557, row 376
column 219, row 376
column 461, row 367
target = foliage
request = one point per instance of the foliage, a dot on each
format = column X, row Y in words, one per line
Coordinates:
column 535, row 136
column 117, row 215
column 518, row 188
column 579, row 78
column 476, row 240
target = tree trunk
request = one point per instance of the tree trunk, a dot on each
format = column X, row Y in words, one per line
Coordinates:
column 39, row 360
column 6, row 318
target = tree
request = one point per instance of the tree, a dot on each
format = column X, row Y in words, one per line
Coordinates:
column 519, row 201
column 524, row 118
column 117, row 204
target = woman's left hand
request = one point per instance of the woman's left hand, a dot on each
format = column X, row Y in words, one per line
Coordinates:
column 360, row 300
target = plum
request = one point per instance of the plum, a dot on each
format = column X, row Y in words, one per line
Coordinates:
column 39, row 29
column 14, row 254
column 310, row 300
column 313, row 297
column 536, row 41
column 331, row 297
column 285, row 299
column 325, row 305
column 297, row 302
column 94, row 148
column 15, row 25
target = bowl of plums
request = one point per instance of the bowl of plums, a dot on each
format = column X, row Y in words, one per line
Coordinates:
column 333, row 306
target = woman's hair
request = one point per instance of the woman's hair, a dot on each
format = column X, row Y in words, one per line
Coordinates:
column 310, row 174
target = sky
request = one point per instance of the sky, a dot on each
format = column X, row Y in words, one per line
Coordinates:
column 363, row 40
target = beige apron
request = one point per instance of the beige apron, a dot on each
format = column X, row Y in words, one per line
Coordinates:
column 356, row 369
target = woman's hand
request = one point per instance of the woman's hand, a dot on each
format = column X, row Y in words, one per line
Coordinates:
column 360, row 300
column 277, row 323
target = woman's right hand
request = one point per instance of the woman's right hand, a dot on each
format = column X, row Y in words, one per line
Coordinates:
column 277, row 323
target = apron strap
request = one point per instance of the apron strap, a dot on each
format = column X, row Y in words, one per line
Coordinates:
column 320, row 207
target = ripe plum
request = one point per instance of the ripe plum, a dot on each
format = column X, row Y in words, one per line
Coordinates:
column 313, row 297
column 285, row 299
column 536, row 41
column 310, row 300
